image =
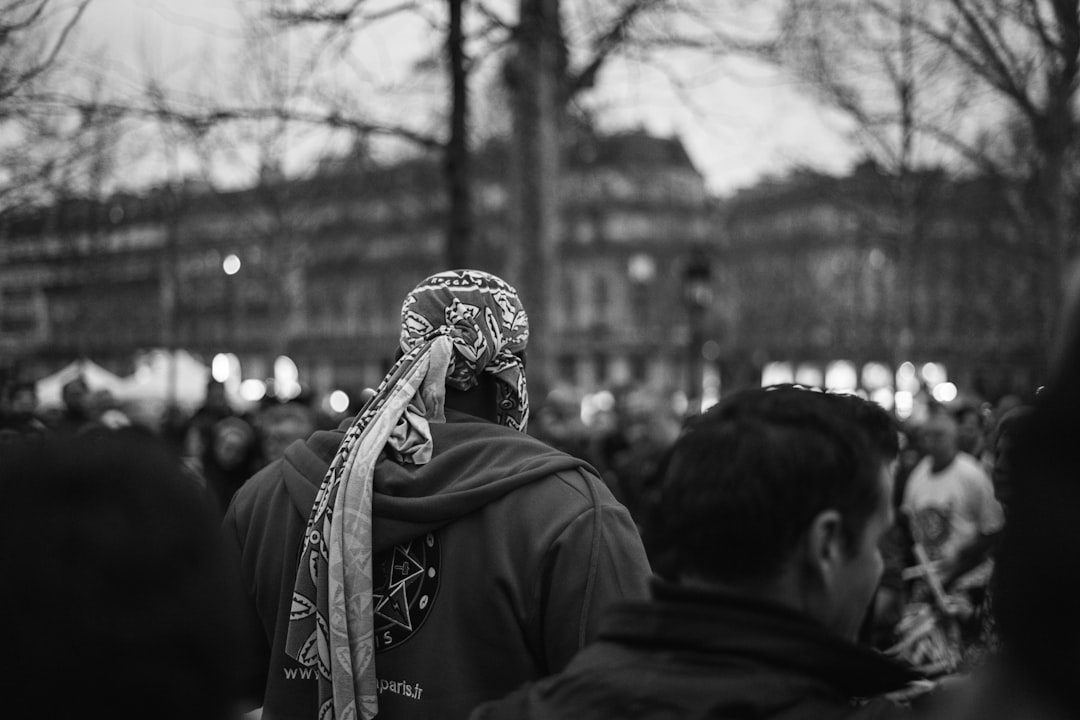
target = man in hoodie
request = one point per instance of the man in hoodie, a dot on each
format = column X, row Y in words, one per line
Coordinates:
column 429, row 555
column 765, row 527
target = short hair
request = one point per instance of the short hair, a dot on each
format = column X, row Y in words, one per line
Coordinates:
column 746, row 478
column 77, row 382
column 111, row 554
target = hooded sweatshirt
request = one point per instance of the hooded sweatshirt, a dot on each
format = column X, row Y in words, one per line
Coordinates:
column 494, row 562
column 696, row 654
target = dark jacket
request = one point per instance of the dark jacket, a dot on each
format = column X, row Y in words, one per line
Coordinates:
column 495, row 561
column 697, row 654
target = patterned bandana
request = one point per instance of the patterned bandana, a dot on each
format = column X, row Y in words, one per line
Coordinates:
column 454, row 326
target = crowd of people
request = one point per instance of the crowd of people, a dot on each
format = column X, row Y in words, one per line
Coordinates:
column 221, row 445
column 787, row 553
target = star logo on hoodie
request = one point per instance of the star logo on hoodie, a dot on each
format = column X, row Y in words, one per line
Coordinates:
column 406, row 581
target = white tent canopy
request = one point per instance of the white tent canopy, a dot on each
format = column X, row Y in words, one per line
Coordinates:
column 49, row 388
column 163, row 377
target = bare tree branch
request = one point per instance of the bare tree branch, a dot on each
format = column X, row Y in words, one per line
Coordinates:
column 340, row 17
column 201, row 121
column 607, row 43
column 25, row 77
column 992, row 67
column 10, row 28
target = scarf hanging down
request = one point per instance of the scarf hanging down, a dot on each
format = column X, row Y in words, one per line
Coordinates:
column 455, row 326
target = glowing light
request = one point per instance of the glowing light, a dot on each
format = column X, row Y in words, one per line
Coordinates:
column 604, row 400
column 906, row 379
column 944, row 392
column 221, row 367
column 231, row 264
column 775, row 373
column 641, row 268
column 286, row 378
column 875, row 375
column 905, row 404
column 339, row 401
column 809, row 375
column 710, row 394
column 883, row 397
column 253, row 390
column 840, row 376
column 933, row 373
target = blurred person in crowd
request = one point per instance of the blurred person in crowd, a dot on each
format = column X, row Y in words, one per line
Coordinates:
column 911, row 452
column 1036, row 671
column 558, row 423
column 766, row 526
column 992, row 421
column 118, row 601
column 606, row 440
column 445, row 555
column 173, row 425
column 649, row 427
column 215, row 407
column 18, row 416
column 232, row 455
column 954, row 520
column 1002, row 444
column 104, row 410
column 950, row 503
column 970, row 429
column 75, row 407
column 279, row 425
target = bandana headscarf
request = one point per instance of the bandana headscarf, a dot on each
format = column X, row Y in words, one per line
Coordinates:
column 454, row 326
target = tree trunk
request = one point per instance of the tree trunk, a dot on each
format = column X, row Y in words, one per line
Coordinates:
column 535, row 161
column 456, row 159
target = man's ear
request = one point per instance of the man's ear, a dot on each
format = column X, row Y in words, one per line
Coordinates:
column 824, row 548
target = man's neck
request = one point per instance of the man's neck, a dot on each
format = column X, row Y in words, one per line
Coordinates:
column 479, row 402
column 937, row 465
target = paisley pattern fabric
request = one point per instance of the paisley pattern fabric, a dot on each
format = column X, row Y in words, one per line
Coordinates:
column 455, row 326
column 486, row 324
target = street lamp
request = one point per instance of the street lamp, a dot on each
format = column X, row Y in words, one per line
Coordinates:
column 697, row 296
column 641, row 270
column 230, row 266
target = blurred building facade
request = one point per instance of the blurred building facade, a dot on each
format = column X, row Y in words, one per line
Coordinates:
column 659, row 285
column 315, row 269
column 825, row 272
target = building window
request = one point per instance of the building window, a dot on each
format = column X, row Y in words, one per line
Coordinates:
column 600, row 363
column 585, row 231
column 567, row 368
column 570, row 303
column 601, row 298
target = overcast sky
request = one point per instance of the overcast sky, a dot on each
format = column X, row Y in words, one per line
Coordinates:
column 741, row 124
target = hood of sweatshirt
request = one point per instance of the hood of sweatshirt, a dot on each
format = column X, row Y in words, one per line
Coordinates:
column 473, row 463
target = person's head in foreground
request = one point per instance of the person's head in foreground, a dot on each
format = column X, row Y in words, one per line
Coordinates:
column 480, row 319
column 463, row 335
column 782, row 493
column 116, row 600
column 764, row 528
